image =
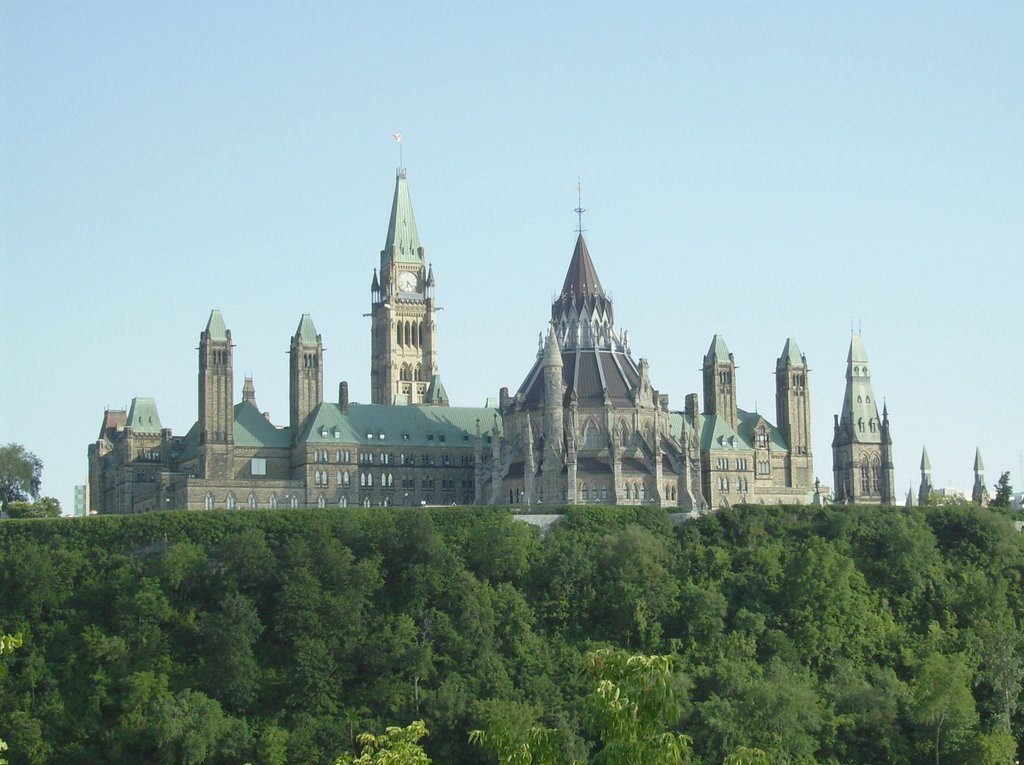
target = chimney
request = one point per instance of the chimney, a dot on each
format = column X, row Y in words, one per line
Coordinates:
column 343, row 396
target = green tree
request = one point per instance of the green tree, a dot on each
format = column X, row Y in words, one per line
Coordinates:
column 7, row 644
column 941, row 699
column 396, row 746
column 1004, row 491
column 45, row 507
column 20, row 474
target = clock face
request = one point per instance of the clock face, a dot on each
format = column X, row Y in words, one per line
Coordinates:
column 407, row 281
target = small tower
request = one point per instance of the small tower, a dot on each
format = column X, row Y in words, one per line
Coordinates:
column 861, row 444
column 924, row 492
column 403, row 340
column 979, row 493
column 720, row 382
column 793, row 410
column 216, row 412
column 305, row 374
column 249, row 391
column 553, row 431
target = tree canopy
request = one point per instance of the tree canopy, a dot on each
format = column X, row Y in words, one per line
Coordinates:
column 21, row 474
column 760, row 634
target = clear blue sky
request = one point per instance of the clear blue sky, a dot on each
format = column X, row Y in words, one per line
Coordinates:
column 758, row 170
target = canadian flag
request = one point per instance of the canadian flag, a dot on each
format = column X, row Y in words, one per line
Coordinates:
column 397, row 137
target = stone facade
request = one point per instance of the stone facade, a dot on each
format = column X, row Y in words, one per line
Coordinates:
column 586, row 425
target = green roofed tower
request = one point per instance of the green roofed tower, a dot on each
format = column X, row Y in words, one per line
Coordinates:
column 793, row 411
column 306, row 373
column 861, row 443
column 403, row 341
column 216, row 386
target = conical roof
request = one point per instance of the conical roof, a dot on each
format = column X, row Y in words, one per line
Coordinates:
column 859, row 415
column 926, row 463
column 403, row 240
column 581, row 279
column 979, row 466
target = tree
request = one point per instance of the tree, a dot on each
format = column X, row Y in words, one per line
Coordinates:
column 941, row 698
column 7, row 644
column 46, row 507
column 632, row 709
column 20, row 474
column 1004, row 491
column 396, row 746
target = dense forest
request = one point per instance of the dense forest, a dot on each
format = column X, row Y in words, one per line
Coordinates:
column 819, row 635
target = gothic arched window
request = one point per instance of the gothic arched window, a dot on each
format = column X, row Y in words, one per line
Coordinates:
column 231, row 501
column 252, row 501
column 273, row 502
column 208, row 502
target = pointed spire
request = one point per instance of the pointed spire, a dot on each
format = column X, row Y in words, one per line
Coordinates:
column 857, row 353
column 403, row 240
column 911, row 498
column 791, row 356
column 430, row 276
column 859, row 416
column 552, row 351
column 375, row 284
column 718, row 351
column 979, row 466
column 306, row 332
column 215, row 328
column 926, row 465
column 581, row 279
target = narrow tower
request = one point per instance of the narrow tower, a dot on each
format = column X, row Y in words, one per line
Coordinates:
column 403, row 342
column 979, row 493
column 793, row 410
column 305, row 374
column 924, row 491
column 861, row 444
column 720, row 382
column 216, row 413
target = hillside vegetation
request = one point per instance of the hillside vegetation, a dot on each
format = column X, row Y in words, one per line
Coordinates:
column 828, row 635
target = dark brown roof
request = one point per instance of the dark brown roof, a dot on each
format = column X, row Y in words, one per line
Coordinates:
column 581, row 279
column 587, row 372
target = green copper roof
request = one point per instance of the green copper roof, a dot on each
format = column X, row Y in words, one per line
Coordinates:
column 215, row 326
column 400, row 425
column 143, row 416
column 403, row 242
column 791, row 355
column 251, row 428
column 979, row 466
column 911, row 498
column 306, row 331
column 190, row 444
column 925, row 462
column 436, row 393
column 718, row 351
column 717, row 434
column 859, row 415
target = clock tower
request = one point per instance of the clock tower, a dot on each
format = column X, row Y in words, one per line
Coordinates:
column 403, row 342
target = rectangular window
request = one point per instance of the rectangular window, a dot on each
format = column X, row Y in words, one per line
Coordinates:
column 258, row 465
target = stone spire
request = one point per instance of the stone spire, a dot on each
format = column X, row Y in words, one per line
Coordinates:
column 979, row 493
column 720, row 382
column 924, row 493
column 249, row 391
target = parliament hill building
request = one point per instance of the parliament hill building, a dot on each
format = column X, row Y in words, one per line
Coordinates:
column 586, row 424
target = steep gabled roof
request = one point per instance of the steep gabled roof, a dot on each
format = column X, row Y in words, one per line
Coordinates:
column 717, row 351
column 251, row 428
